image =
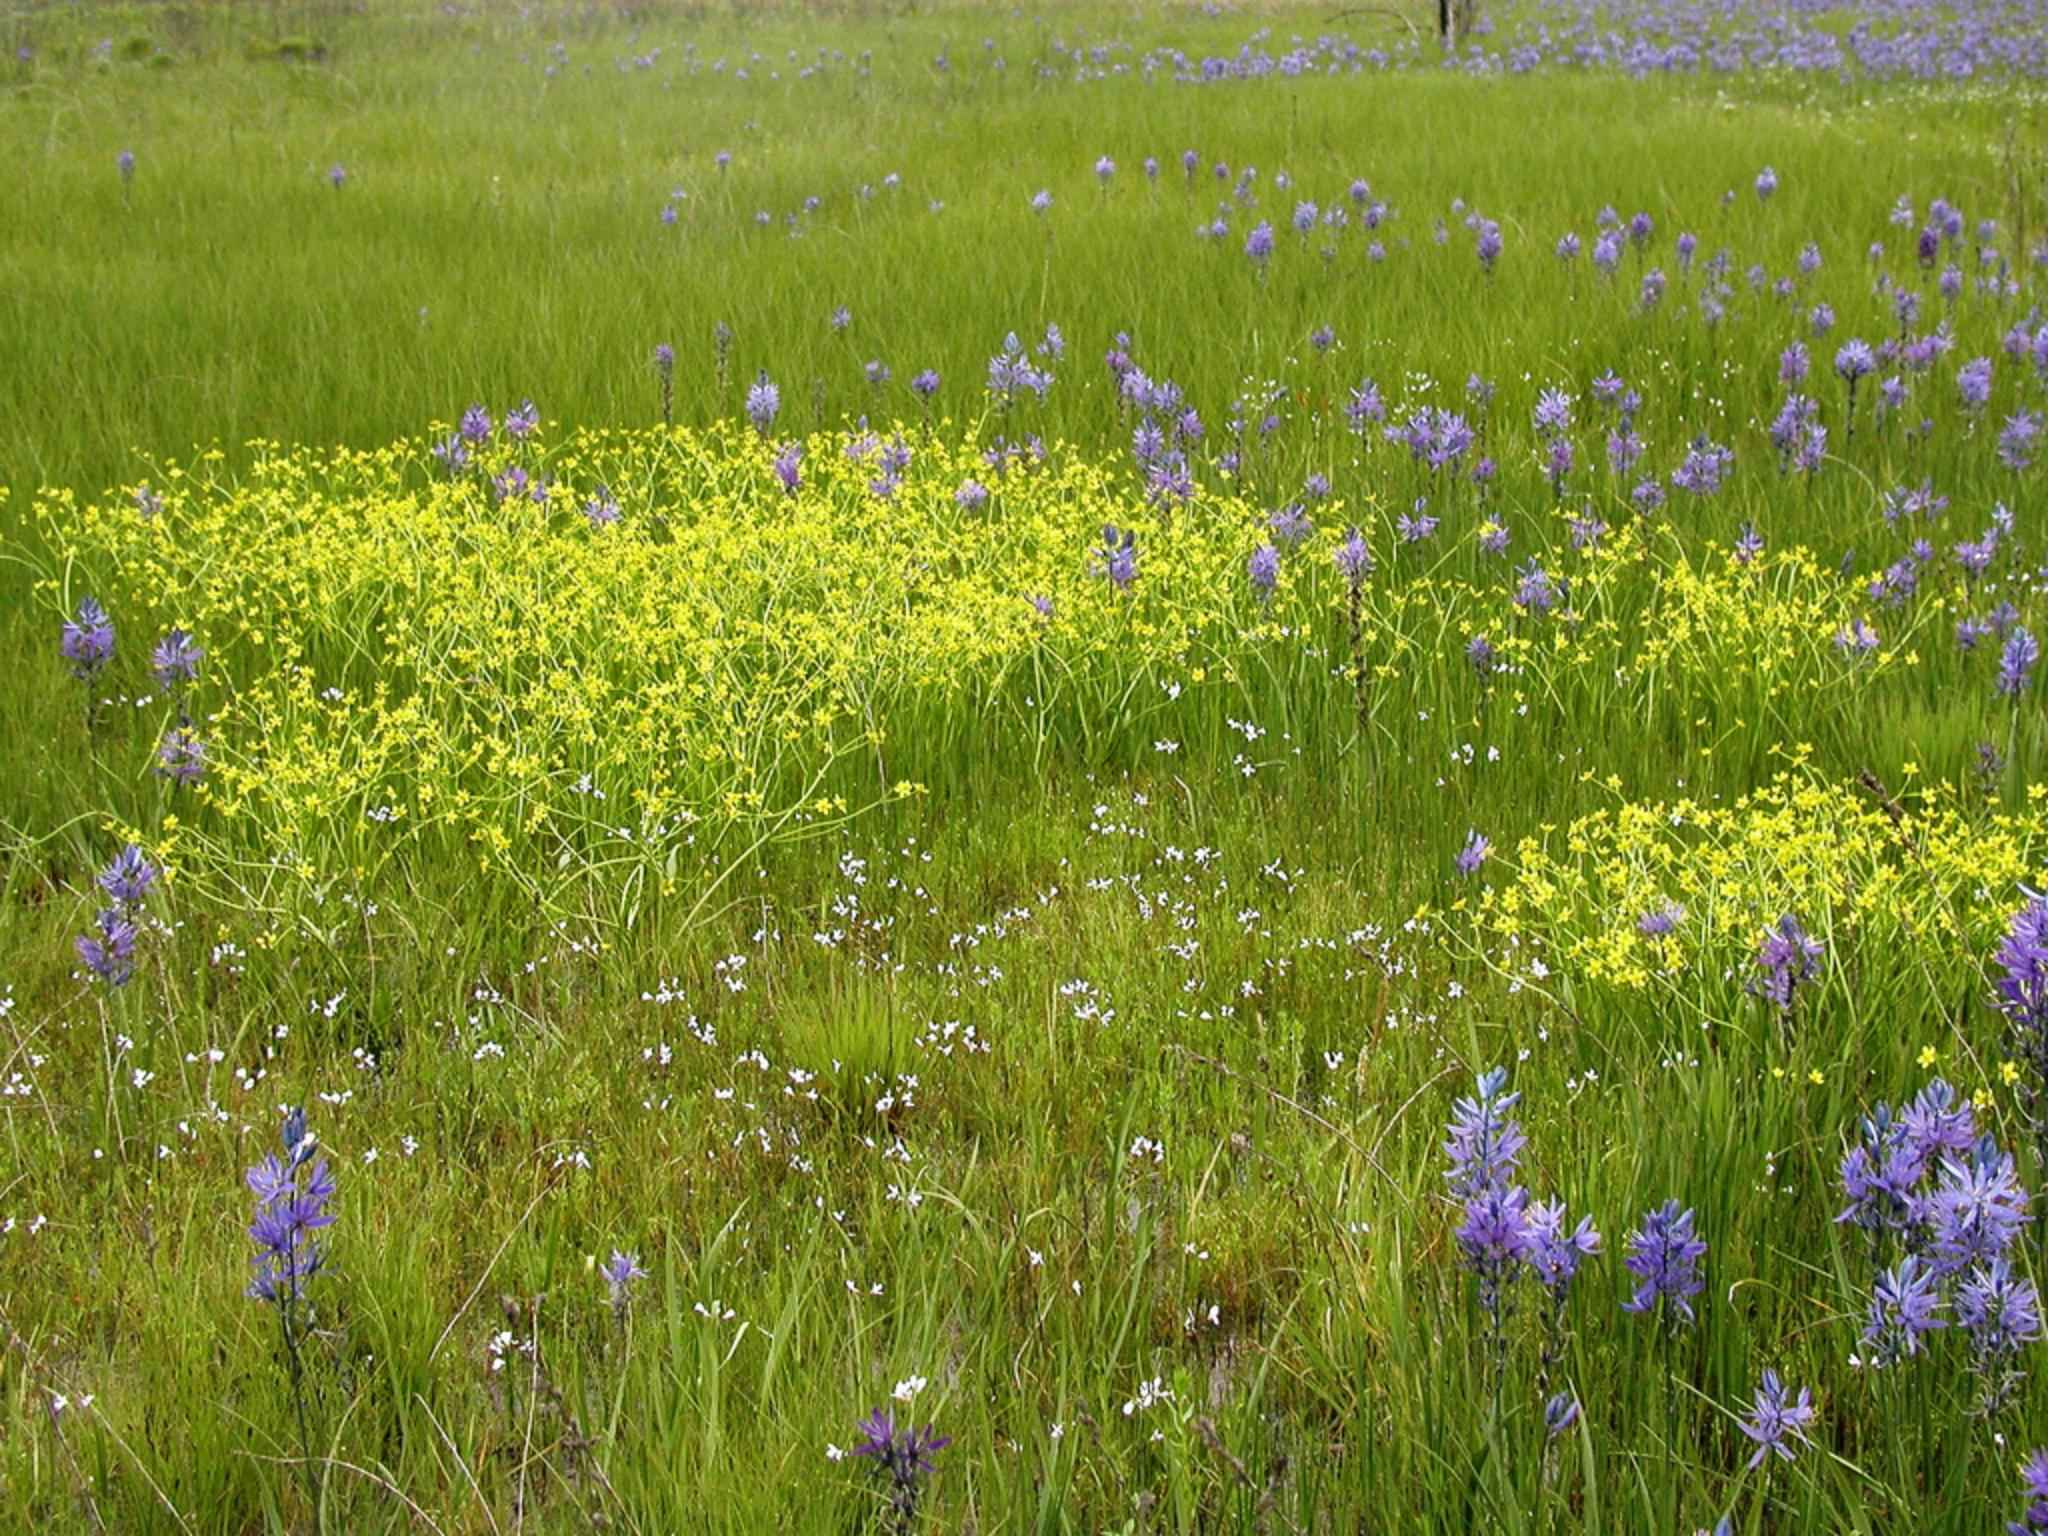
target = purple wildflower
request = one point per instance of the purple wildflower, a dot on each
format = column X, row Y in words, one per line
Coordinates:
column 1473, row 854
column 1264, row 569
column 2016, row 662
column 904, row 1457
column 1664, row 1256
column 108, row 952
column 181, row 756
column 87, row 642
column 620, row 1271
column 1484, row 1142
column 176, row 659
column 1903, row 1304
column 288, row 1212
column 1354, row 559
column 523, row 422
column 764, row 402
column 1775, row 1417
column 1788, row 958
column 1117, row 559
column 1660, row 921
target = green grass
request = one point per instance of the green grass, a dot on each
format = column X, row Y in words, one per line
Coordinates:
column 1218, row 1017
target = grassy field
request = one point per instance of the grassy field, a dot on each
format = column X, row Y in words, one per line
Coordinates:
column 879, row 711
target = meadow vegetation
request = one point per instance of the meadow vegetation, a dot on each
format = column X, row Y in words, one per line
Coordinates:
column 1072, row 768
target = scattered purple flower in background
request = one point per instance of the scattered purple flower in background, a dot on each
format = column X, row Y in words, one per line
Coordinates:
column 176, row 659
column 620, row 1271
column 1473, row 854
column 1788, row 959
column 87, row 641
column 2016, row 662
column 764, row 403
column 903, row 1457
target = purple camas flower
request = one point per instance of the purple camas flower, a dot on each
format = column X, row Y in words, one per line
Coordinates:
column 108, row 952
column 1263, row 568
column 1417, row 529
column 1473, row 854
column 1484, row 1142
column 1880, row 1176
column 1821, row 319
column 1651, row 293
column 1117, row 560
column 1903, row 1307
column 664, row 359
column 1766, row 184
column 1553, row 414
column 453, row 454
column 925, row 384
column 1479, row 652
column 2016, row 440
column 1567, row 246
column 840, row 318
column 620, row 1271
column 1854, row 360
column 1553, row 1252
column 1664, row 1256
column 181, row 756
column 475, row 426
column 1607, row 252
column 1353, row 559
column 336, row 175
column 1776, row 1417
column 523, row 422
column 1706, row 465
column 1041, row 201
column 902, row 1456
column 1365, row 406
column 1305, row 215
column 2034, row 1476
column 128, row 879
column 1976, row 1210
column 1290, row 525
column 877, row 373
column 1258, row 245
column 1494, row 538
column 2001, row 1313
column 601, row 509
column 1748, row 545
column 87, row 641
column 1973, row 383
column 175, row 659
column 1104, row 169
column 2016, row 662
column 1488, row 245
column 1688, row 245
column 1536, row 590
column 1788, row 958
column 971, row 497
column 291, row 1205
column 1660, row 921
column 764, row 402
column 1560, row 1413
column 788, row 467
column 1322, row 338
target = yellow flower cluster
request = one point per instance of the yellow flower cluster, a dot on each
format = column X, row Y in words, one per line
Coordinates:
column 1926, row 876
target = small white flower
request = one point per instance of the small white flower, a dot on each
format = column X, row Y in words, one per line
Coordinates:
column 908, row 1389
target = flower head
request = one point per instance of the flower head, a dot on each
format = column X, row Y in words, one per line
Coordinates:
column 1664, row 1256
column 88, row 640
column 1776, row 1418
column 176, row 659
